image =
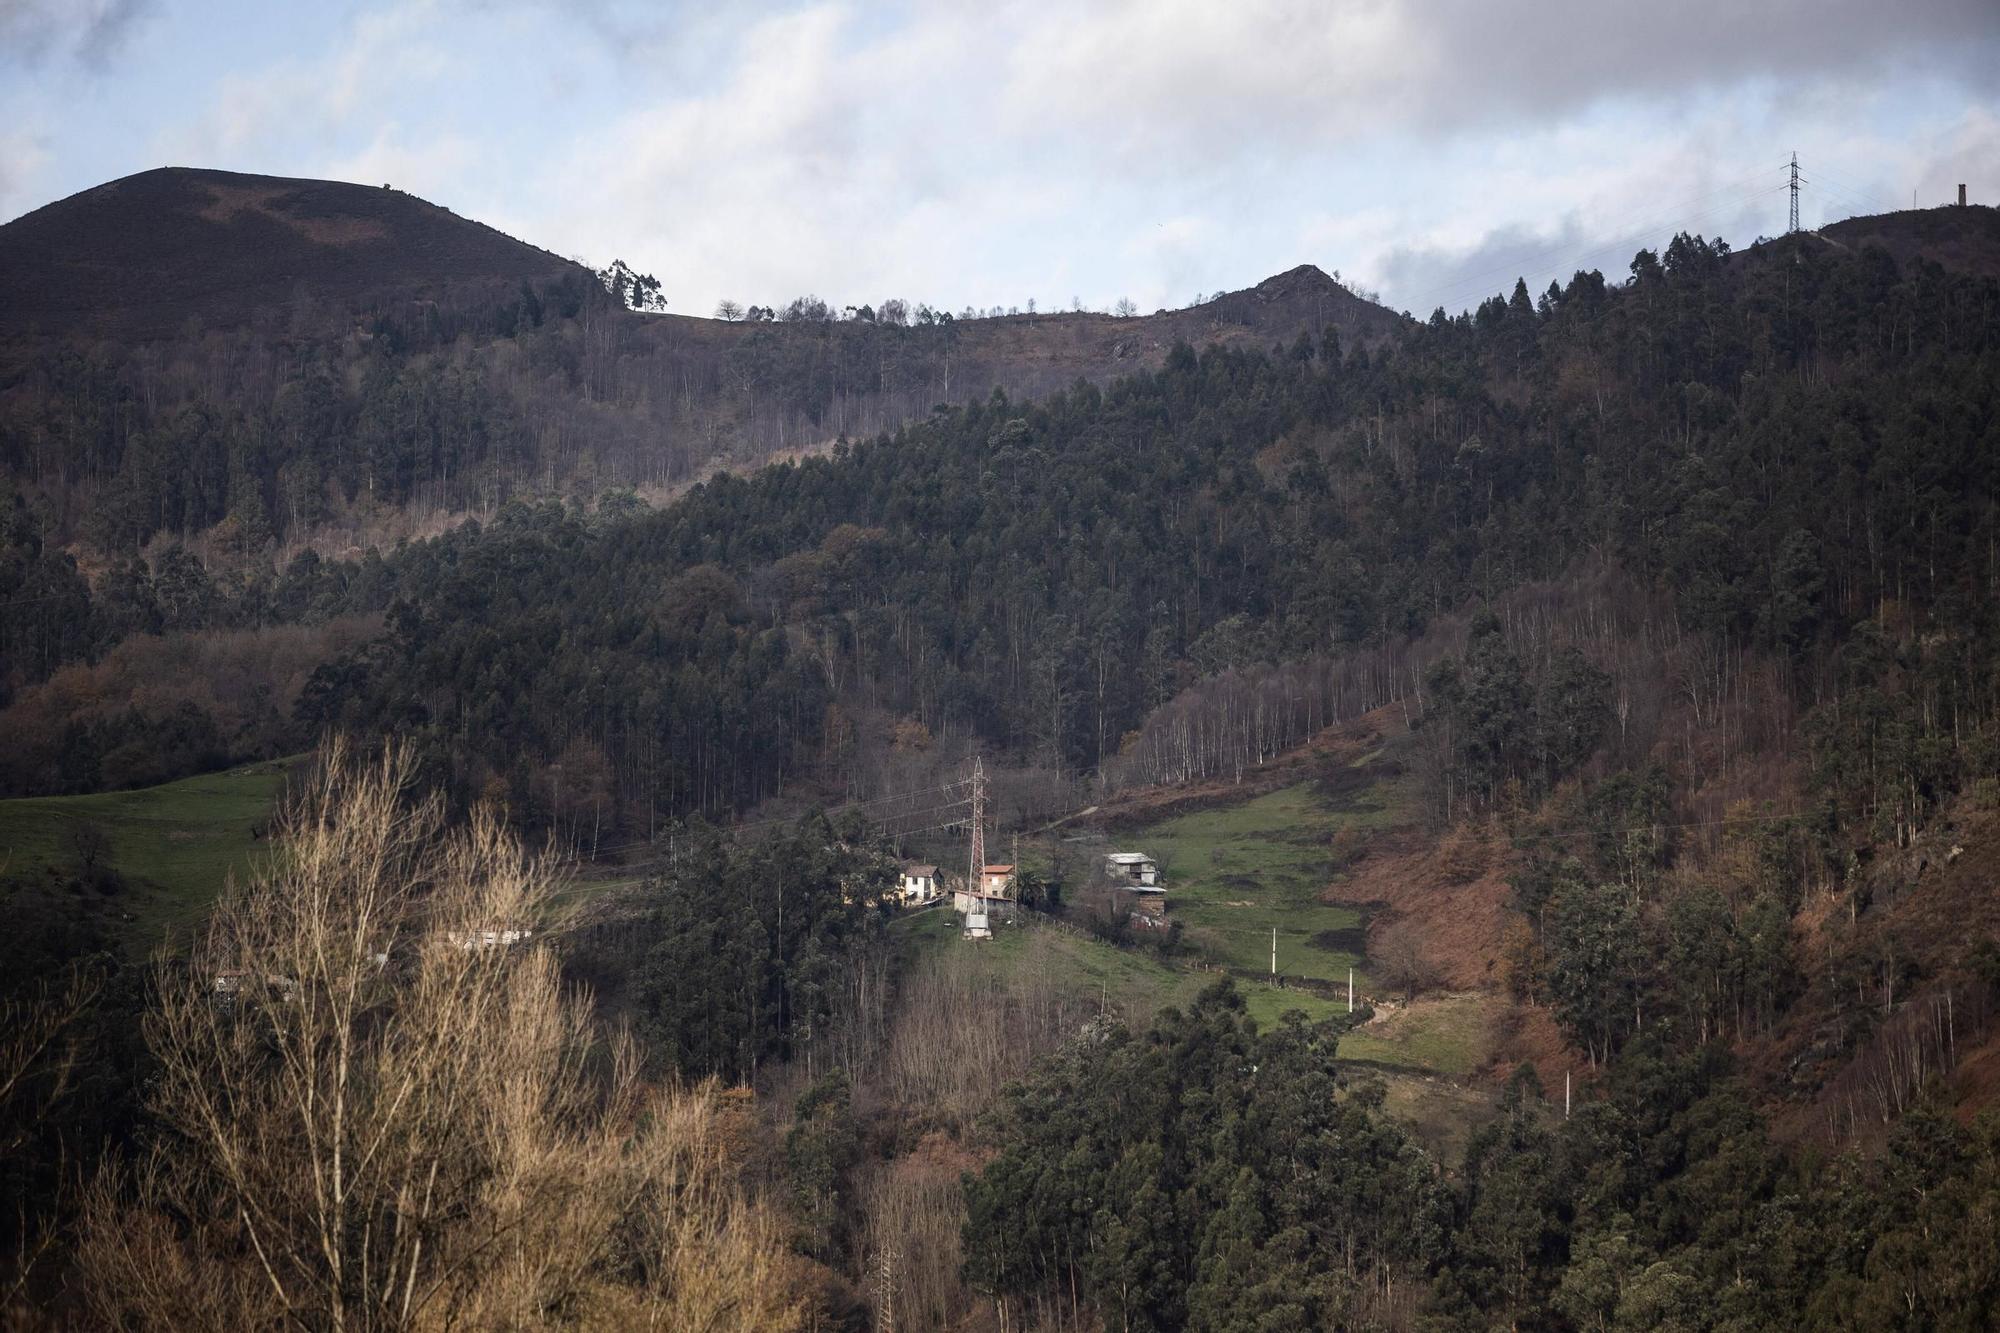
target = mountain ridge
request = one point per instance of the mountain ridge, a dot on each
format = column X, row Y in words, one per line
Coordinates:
column 132, row 258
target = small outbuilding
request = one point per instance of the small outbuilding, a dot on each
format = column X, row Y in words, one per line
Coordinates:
column 999, row 906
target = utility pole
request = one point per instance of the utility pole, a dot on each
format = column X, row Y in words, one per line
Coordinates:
column 1795, row 194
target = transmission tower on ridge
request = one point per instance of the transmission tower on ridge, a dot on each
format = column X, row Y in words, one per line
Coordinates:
column 1795, row 194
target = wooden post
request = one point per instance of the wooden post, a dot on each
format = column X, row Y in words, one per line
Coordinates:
column 1274, row 953
column 1350, row 990
column 1565, row 1094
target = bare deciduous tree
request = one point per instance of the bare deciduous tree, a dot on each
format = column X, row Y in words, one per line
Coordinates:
column 39, row 1054
column 384, row 1116
column 1403, row 960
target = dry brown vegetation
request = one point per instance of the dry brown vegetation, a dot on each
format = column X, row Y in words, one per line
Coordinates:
column 959, row 1035
column 245, row 681
column 1898, row 1001
column 1426, row 896
column 377, row 1126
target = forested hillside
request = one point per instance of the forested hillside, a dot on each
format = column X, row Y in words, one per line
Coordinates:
column 249, row 364
column 1795, row 443
column 1683, row 587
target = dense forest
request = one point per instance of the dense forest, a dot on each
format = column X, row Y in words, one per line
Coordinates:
column 1796, row 442
column 1203, row 1175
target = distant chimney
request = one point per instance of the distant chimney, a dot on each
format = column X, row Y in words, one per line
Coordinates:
column 1961, row 196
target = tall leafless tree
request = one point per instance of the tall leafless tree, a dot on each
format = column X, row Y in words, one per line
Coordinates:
column 382, row 1109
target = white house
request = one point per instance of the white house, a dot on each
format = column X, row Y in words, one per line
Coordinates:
column 486, row 939
column 920, row 883
column 1135, row 871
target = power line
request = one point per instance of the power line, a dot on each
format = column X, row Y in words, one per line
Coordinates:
column 1867, row 193
column 45, row 597
column 1854, row 206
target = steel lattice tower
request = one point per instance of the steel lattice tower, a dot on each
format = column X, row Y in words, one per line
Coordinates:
column 978, row 823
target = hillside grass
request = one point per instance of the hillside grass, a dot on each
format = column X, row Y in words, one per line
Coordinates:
column 1446, row 1034
column 1136, row 983
column 1235, row 873
column 175, row 845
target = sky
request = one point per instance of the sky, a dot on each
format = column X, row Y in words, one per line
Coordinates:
column 982, row 154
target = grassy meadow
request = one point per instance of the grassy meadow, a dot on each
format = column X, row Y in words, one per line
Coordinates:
column 1135, row 982
column 175, row 845
column 1235, row 873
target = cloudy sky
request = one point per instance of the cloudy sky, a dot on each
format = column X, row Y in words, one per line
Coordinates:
column 973, row 153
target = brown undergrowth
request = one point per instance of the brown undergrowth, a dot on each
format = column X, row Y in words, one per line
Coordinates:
column 1898, row 998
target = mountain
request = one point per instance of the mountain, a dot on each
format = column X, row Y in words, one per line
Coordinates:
column 138, row 258
column 341, row 364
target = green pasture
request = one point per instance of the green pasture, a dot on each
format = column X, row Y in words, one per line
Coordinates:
column 1236, row 873
column 175, row 845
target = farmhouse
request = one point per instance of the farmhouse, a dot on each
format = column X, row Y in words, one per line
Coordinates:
column 991, row 900
column 1135, row 871
column 920, row 883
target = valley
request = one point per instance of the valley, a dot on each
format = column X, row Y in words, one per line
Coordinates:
column 1598, row 677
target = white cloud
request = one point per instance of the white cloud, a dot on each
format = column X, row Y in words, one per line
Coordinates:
column 406, row 161
column 90, row 31
column 1142, row 76
column 1970, row 155
column 317, row 108
column 23, row 154
column 1142, row 148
